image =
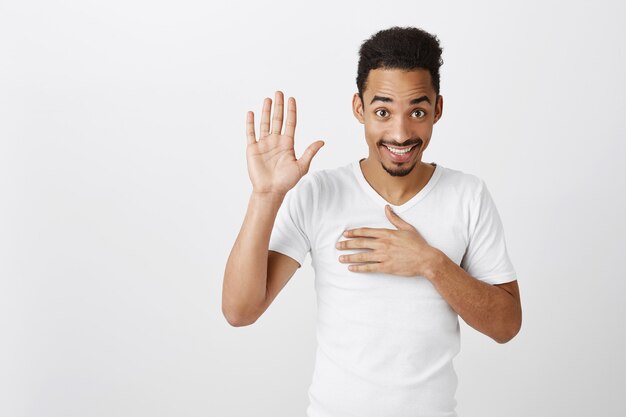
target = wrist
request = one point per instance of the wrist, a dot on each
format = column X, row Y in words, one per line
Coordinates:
column 267, row 195
column 435, row 265
column 266, row 200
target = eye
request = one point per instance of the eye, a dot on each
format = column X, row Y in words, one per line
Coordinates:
column 383, row 110
column 423, row 113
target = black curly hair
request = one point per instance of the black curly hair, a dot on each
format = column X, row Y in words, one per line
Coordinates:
column 399, row 48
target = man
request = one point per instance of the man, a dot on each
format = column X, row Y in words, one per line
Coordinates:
column 400, row 247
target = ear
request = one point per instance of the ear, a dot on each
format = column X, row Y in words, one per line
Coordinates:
column 438, row 108
column 357, row 107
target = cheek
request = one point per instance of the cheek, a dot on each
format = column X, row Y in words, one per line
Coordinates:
column 424, row 145
column 425, row 131
column 373, row 133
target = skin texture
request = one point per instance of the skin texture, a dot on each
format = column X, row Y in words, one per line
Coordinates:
column 494, row 310
column 253, row 275
column 272, row 164
column 398, row 124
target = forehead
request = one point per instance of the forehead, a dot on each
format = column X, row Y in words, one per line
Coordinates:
column 401, row 85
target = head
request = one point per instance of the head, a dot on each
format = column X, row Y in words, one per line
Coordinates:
column 398, row 99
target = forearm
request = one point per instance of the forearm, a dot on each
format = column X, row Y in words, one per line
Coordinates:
column 487, row 308
column 245, row 275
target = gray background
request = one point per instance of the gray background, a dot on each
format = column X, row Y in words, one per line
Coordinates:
column 123, row 184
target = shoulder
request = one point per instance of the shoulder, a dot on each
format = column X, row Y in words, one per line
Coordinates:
column 315, row 190
column 331, row 180
column 321, row 184
column 462, row 185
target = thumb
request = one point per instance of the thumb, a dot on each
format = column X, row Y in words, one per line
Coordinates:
column 397, row 220
column 307, row 156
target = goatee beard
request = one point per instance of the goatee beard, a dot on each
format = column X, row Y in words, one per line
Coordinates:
column 403, row 171
column 399, row 172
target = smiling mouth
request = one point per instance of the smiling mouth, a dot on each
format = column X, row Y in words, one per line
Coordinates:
column 400, row 153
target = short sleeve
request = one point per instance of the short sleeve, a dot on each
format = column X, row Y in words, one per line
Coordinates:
column 486, row 257
column 291, row 232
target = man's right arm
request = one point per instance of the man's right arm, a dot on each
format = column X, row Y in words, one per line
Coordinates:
column 254, row 276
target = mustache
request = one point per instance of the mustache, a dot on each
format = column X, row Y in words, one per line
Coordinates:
column 409, row 142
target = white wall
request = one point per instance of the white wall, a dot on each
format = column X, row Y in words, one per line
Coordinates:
column 123, row 185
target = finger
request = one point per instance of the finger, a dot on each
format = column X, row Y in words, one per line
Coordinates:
column 265, row 117
column 277, row 120
column 396, row 220
column 372, row 267
column 360, row 243
column 307, row 156
column 371, row 256
column 367, row 232
column 250, row 128
column 290, row 124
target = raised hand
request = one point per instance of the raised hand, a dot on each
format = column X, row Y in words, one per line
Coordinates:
column 272, row 163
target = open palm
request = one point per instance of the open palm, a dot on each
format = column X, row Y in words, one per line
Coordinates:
column 272, row 163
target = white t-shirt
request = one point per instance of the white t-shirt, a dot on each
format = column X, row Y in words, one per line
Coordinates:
column 386, row 342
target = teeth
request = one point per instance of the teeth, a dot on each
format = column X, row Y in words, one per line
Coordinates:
column 398, row 151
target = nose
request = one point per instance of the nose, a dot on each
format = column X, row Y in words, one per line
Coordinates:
column 401, row 131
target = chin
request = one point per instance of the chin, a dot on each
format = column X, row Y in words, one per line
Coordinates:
column 399, row 165
column 399, row 171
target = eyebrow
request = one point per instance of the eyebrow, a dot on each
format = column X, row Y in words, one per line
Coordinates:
column 390, row 100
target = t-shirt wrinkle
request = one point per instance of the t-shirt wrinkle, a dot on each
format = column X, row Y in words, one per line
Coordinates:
column 373, row 328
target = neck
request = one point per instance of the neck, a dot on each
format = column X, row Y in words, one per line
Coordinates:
column 396, row 190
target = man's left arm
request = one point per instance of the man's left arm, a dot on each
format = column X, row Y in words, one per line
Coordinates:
column 492, row 309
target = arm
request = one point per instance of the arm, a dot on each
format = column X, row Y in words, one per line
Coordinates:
column 253, row 276
column 245, row 276
column 494, row 310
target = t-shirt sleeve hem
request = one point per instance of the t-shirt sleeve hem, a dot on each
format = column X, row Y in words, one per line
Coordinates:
column 286, row 250
column 499, row 279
